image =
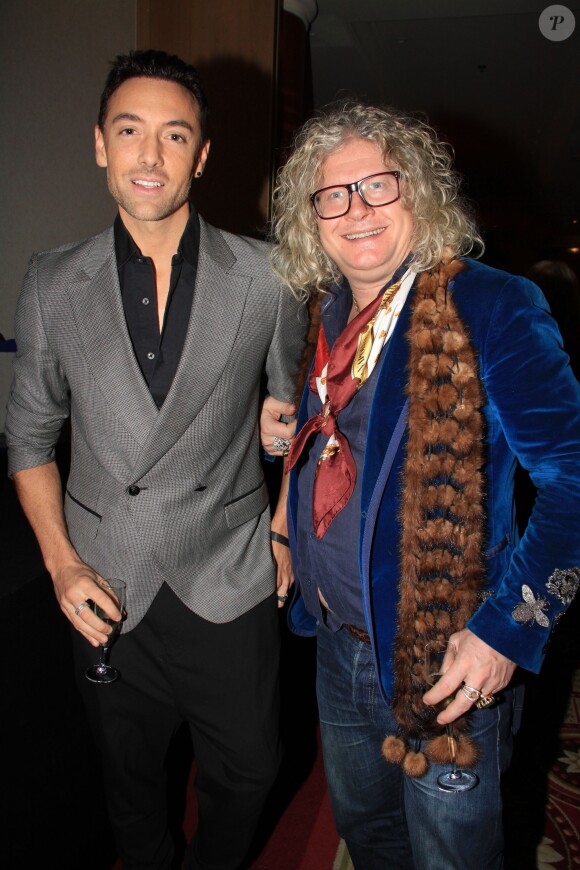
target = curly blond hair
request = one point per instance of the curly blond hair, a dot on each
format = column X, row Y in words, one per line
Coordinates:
column 443, row 223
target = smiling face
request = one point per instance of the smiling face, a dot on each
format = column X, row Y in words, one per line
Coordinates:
column 367, row 244
column 150, row 146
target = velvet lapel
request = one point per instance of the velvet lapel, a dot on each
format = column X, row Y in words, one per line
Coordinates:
column 388, row 403
column 95, row 299
column 218, row 303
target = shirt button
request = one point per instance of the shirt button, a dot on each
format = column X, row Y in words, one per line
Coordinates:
column 150, row 356
column 133, row 489
column 145, row 301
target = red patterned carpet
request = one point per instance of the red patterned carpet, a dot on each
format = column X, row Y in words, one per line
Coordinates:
column 560, row 845
column 542, row 796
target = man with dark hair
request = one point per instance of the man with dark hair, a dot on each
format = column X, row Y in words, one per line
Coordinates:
column 156, row 336
column 155, row 65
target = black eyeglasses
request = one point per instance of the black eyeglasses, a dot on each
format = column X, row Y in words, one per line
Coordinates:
column 382, row 188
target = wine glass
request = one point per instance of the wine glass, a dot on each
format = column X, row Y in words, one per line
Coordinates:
column 103, row 672
column 439, row 655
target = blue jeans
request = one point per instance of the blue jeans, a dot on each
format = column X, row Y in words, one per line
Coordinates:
column 387, row 819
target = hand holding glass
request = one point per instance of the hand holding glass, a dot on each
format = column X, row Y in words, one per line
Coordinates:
column 439, row 657
column 103, row 672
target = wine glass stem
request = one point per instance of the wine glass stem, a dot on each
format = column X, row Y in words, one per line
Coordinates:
column 452, row 752
column 105, row 650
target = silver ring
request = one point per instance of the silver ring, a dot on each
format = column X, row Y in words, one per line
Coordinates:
column 80, row 607
column 281, row 443
column 471, row 693
column 282, row 597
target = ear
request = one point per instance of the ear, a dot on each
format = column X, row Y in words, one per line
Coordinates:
column 199, row 164
column 100, row 152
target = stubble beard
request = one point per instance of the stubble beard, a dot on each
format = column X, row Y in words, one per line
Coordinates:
column 149, row 211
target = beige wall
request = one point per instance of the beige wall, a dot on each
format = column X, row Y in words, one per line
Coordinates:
column 233, row 45
column 54, row 57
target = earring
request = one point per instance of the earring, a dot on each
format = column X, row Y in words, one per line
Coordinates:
column 198, row 173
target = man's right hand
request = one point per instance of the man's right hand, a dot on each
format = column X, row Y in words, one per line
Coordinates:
column 40, row 492
column 76, row 584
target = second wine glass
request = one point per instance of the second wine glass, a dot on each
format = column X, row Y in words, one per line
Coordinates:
column 439, row 656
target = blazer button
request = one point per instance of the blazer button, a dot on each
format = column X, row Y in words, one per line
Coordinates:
column 134, row 489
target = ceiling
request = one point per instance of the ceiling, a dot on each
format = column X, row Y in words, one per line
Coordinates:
column 505, row 97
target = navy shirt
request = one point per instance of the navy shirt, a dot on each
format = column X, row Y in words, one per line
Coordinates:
column 331, row 564
column 158, row 351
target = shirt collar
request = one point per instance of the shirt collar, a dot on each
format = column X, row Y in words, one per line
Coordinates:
column 341, row 294
column 125, row 246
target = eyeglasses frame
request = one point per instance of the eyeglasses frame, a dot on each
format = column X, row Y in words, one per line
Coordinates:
column 355, row 185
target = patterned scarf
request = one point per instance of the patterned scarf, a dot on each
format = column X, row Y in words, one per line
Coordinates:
column 336, row 377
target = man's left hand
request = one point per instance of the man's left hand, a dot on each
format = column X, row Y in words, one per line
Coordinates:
column 285, row 574
column 273, row 432
column 478, row 666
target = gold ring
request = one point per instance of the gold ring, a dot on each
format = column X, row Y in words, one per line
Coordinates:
column 470, row 692
column 485, row 701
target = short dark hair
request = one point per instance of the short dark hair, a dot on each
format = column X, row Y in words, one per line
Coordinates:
column 154, row 65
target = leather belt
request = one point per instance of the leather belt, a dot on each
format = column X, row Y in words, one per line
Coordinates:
column 358, row 633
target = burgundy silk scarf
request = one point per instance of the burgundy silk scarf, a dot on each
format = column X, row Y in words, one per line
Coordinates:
column 341, row 373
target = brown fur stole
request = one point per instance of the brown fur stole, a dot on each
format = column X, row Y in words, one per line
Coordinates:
column 441, row 564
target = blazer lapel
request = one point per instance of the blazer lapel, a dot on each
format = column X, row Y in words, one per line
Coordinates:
column 218, row 302
column 98, row 310
column 388, row 403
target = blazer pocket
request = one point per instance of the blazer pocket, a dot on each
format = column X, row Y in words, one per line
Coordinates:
column 81, row 518
column 497, row 548
column 247, row 506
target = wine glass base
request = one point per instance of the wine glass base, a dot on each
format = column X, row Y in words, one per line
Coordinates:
column 102, row 674
column 460, row 780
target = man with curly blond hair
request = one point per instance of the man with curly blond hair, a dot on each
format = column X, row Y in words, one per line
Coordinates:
column 433, row 376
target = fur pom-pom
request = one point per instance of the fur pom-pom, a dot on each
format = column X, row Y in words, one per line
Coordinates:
column 437, row 749
column 415, row 764
column 447, row 396
column 428, row 365
column 426, row 308
column 467, row 751
column 424, row 339
column 453, row 341
column 462, row 374
column 394, row 749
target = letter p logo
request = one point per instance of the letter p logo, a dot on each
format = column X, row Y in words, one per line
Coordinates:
column 556, row 23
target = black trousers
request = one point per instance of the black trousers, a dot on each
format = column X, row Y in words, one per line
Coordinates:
column 222, row 679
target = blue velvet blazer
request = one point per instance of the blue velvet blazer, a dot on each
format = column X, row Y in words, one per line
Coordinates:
column 533, row 415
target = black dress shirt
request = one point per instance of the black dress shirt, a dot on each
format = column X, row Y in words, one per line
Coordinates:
column 158, row 352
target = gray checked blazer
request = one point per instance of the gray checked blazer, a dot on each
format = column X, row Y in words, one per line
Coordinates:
column 174, row 495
